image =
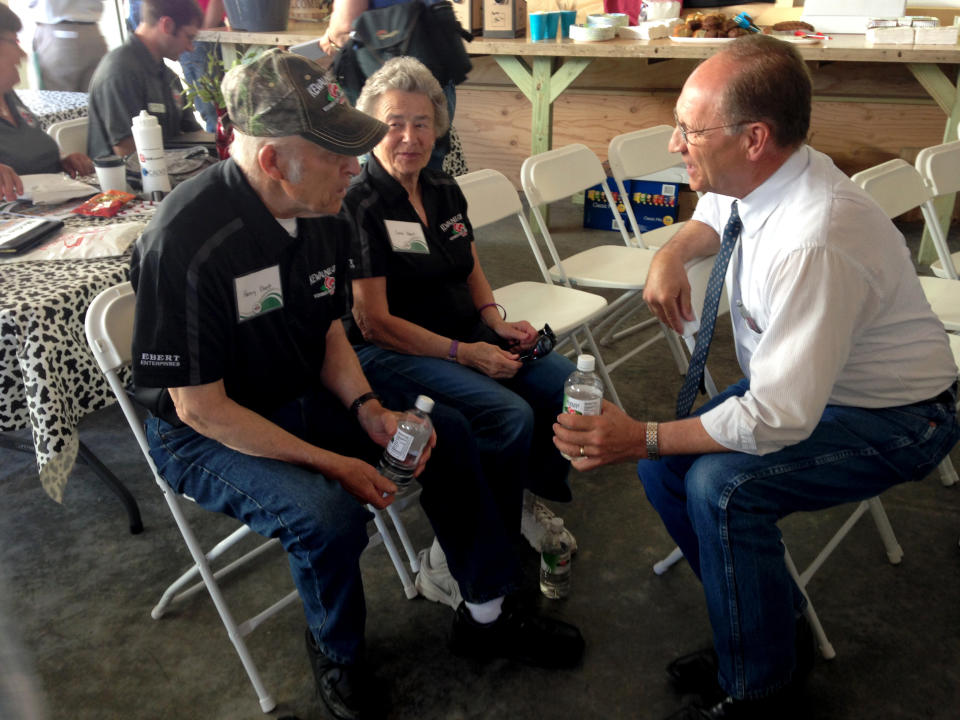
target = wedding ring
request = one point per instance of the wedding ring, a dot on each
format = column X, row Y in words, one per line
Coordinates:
column 582, row 454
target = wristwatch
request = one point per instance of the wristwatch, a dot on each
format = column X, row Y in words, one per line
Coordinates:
column 653, row 441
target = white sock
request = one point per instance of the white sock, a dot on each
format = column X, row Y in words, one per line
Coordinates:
column 486, row 612
column 437, row 558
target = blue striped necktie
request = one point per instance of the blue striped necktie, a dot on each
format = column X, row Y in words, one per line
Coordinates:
column 708, row 318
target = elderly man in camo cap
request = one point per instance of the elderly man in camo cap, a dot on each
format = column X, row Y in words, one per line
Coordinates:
column 259, row 407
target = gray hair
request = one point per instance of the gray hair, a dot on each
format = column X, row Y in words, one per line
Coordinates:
column 245, row 148
column 406, row 74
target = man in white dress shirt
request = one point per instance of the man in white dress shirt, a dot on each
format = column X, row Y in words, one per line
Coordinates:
column 849, row 385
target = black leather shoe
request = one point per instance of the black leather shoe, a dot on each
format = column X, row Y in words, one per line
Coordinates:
column 518, row 634
column 695, row 673
column 346, row 690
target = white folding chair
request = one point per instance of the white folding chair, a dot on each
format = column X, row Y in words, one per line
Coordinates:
column 109, row 330
column 560, row 173
column 698, row 273
column 897, row 187
column 939, row 166
column 492, row 197
column 70, row 135
column 635, row 155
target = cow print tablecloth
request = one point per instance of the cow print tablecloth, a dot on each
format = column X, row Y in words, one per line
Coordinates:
column 50, row 106
column 48, row 377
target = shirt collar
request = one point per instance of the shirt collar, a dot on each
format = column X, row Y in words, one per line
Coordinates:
column 388, row 186
column 145, row 55
column 756, row 207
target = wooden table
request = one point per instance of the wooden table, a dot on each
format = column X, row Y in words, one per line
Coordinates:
column 543, row 71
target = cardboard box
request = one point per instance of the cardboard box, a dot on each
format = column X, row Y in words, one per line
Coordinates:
column 504, row 18
column 654, row 205
column 596, row 211
column 469, row 14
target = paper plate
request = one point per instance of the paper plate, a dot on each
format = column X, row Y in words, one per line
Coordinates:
column 581, row 33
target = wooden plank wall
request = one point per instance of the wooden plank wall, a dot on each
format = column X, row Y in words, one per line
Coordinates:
column 614, row 96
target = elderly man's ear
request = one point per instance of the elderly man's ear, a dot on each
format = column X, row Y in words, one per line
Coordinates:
column 757, row 137
column 269, row 160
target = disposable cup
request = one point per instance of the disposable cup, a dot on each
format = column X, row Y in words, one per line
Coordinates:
column 567, row 18
column 111, row 173
column 543, row 25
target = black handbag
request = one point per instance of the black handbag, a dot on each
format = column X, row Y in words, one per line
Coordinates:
column 430, row 33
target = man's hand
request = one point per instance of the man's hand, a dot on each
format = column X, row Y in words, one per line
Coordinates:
column 667, row 292
column 611, row 437
column 362, row 480
column 489, row 359
column 11, row 186
column 76, row 164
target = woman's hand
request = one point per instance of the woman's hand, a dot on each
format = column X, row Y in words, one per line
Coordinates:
column 11, row 187
column 76, row 164
column 522, row 335
column 489, row 359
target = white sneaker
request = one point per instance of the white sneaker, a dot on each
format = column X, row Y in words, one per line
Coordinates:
column 535, row 521
column 434, row 580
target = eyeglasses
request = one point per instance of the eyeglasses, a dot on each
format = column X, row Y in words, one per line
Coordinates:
column 685, row 134
column 546, row 341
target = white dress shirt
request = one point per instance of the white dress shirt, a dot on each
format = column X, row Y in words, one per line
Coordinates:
column 830, row 308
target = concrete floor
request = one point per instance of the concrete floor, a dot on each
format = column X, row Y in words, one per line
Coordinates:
column 76, row 592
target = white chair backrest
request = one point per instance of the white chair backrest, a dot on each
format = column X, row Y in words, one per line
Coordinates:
column 70, row 135
column 109, row 329
column 940, row 167
column 895, row 185
column 642, row 152
column 492, row 197
column 556, row 174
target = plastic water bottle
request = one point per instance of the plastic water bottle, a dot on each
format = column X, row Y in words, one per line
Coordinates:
column 148, row 138
column 555, row 562
column 401, row 456
column 583, row 390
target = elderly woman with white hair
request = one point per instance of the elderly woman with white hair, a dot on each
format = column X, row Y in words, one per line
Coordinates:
column 424, row 317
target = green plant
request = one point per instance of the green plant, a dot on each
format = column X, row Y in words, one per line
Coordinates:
column 207, row 86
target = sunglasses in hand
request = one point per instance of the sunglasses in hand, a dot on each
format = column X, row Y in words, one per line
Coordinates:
column 546, row 341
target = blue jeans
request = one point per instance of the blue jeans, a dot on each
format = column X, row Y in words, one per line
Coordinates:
column 194, row 65
column 323, row 528
column 722, row 510
column 511, row 420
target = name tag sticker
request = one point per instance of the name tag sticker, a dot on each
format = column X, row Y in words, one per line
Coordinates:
column 258, row 293
column 156, row 108
column 407, row 237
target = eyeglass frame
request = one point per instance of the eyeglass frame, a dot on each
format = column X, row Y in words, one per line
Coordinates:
column 684, row 133
column 546, row 341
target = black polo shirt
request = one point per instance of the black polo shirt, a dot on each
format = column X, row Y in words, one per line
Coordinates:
column 129, row 80
column 24, row 146
column 426, row 268
column 224, row 292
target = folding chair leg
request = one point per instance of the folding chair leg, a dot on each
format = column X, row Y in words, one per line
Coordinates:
column 409, row 589
column 675, row 556
column 948, row 474
column 894, row 551
column 404, row 539
column 602, row 368
column 810, row 613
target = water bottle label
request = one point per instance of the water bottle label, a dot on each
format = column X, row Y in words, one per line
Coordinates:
column 399, row 447
column 581, row 406
column 554, row 564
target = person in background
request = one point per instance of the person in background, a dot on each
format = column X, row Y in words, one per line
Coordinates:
column 194, row 63
column 133, row 77
column 261, row 409
column 342, row 15
column 25, row 148
column 849, row 383
column 424, row 318
column 67, row 42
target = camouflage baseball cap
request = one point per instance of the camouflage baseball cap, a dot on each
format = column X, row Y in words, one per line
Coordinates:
column 281, row 93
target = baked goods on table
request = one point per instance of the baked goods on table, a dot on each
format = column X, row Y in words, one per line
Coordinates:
column 717, row 25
